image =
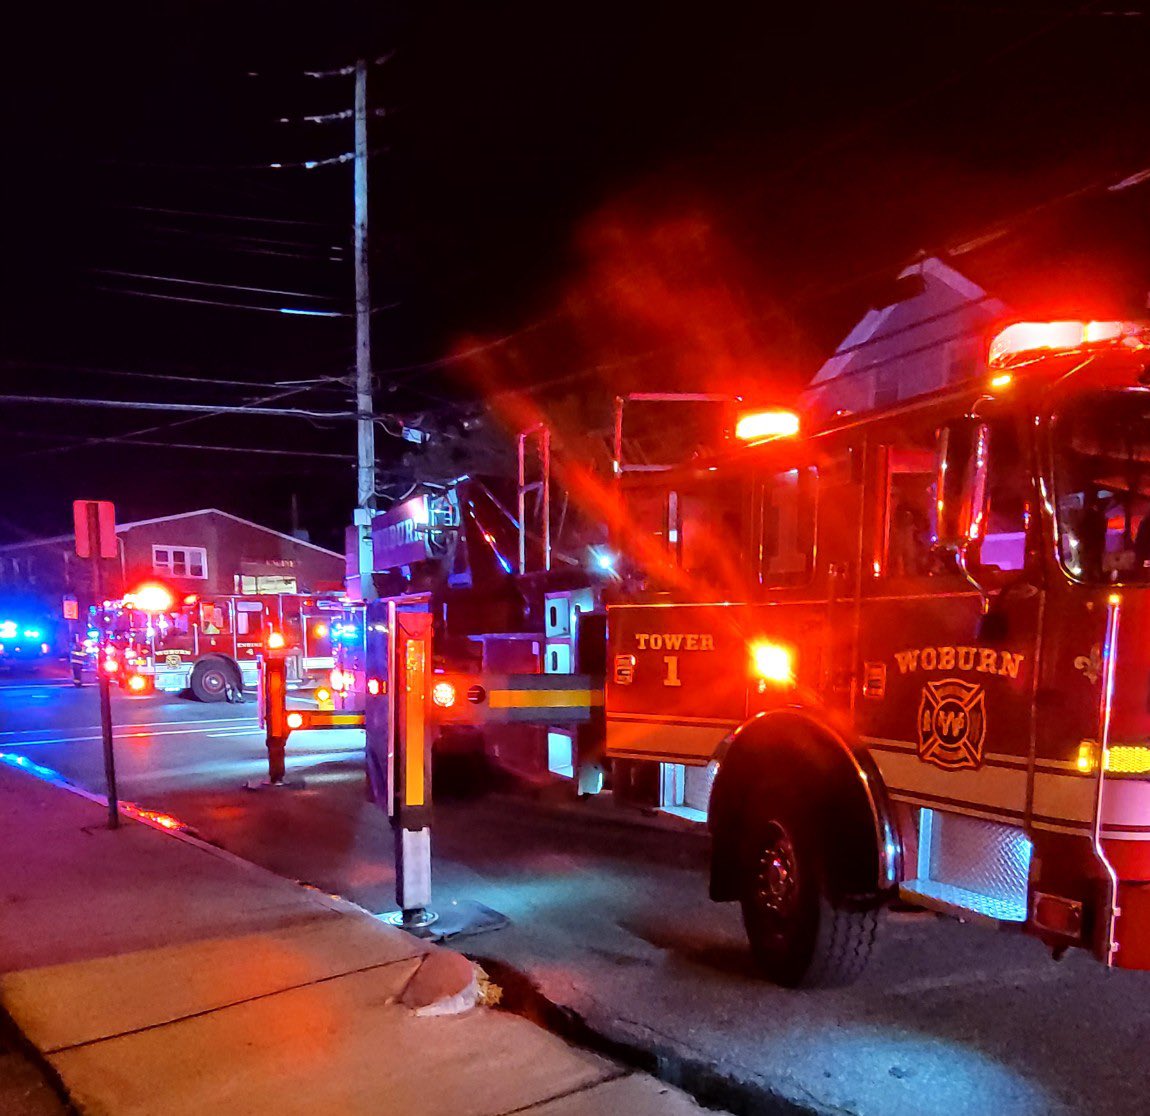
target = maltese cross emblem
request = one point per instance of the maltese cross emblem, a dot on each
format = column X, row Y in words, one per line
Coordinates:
column 952, row 724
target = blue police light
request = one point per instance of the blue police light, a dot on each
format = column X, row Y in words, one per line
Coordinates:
column 31, row 633
column 8, row 629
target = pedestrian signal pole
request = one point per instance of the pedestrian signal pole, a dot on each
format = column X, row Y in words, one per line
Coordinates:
column 412, row 812
column 95, row 522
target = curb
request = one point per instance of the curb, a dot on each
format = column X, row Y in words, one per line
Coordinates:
column 32, row 1053
column 521, row 996
column 706, row 1083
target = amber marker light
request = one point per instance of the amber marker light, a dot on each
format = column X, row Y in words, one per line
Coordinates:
column 323, row 694
column 772, row 662
column 1001, row 381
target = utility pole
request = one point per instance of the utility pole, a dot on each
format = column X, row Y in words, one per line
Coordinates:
column 364, row 408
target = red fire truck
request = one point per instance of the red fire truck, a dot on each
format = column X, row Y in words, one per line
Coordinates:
column 898, row 654
column 208, row 645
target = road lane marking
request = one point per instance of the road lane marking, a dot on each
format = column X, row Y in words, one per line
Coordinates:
column 8, row 687
column 132, row 725
column 87, row 739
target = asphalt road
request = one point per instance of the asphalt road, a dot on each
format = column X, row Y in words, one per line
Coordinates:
column 611, row 920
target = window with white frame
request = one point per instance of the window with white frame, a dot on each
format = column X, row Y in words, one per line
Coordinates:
column 180, row 561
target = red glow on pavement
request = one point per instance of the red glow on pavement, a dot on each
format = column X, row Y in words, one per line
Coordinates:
column 166, row 821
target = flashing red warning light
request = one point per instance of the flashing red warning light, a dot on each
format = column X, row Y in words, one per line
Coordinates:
column 275, row 641
column 320, row 630
column 341, row 679
column 150, row 597
column 1034, row 338
column 191, row 599
column 137, row 683
column 373, row 687
column 755, row 426
column 111, row 666
column 295, row 720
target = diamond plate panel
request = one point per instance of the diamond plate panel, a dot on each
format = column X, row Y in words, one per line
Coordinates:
column 988, row 858
column 954, row 900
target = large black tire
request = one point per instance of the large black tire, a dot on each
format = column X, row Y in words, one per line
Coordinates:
column 799, row 936
column 211, row 678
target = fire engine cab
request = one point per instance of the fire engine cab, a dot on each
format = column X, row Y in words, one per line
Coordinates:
column 209, row 646
column 900, row 655
column 885, row 655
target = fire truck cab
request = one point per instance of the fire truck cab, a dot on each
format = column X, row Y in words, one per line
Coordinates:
column 209, row 646
column 900, row 655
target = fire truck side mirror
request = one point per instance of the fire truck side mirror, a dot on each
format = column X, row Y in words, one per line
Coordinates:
column 961, row 489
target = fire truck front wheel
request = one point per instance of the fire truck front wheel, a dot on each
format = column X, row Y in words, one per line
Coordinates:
column 799, row 937
column 211, row 678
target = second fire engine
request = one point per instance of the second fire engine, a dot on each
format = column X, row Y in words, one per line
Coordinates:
column 210, row 646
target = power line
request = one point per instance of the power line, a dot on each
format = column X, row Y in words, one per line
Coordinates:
column 229, row 242
column 198, row 446
column 331, row 161
column 113, row 438
column 347, row 71
column 330, row 383
column 244, row 237
column 299, row 311
column 224, row 216
column 329, row 117
column 201, row 408
column 209, row 283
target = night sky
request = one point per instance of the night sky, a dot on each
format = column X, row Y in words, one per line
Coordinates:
column 567, row 198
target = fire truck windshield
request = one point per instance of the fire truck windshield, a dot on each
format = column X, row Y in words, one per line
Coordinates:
column 1102, row 487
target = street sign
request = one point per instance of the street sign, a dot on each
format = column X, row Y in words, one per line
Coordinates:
column 71, row 608
column 95, row 525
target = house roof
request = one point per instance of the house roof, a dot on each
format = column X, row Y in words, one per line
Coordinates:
column 121, row 527
column 1085, row 255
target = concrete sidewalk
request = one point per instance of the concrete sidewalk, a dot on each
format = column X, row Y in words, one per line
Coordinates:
column 155, row 973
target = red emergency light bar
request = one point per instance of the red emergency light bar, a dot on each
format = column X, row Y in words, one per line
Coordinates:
column 1031, row 339
column 756, row 426
column 150, row 597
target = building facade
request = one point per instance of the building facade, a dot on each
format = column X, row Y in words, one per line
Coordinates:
column 204, row 552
